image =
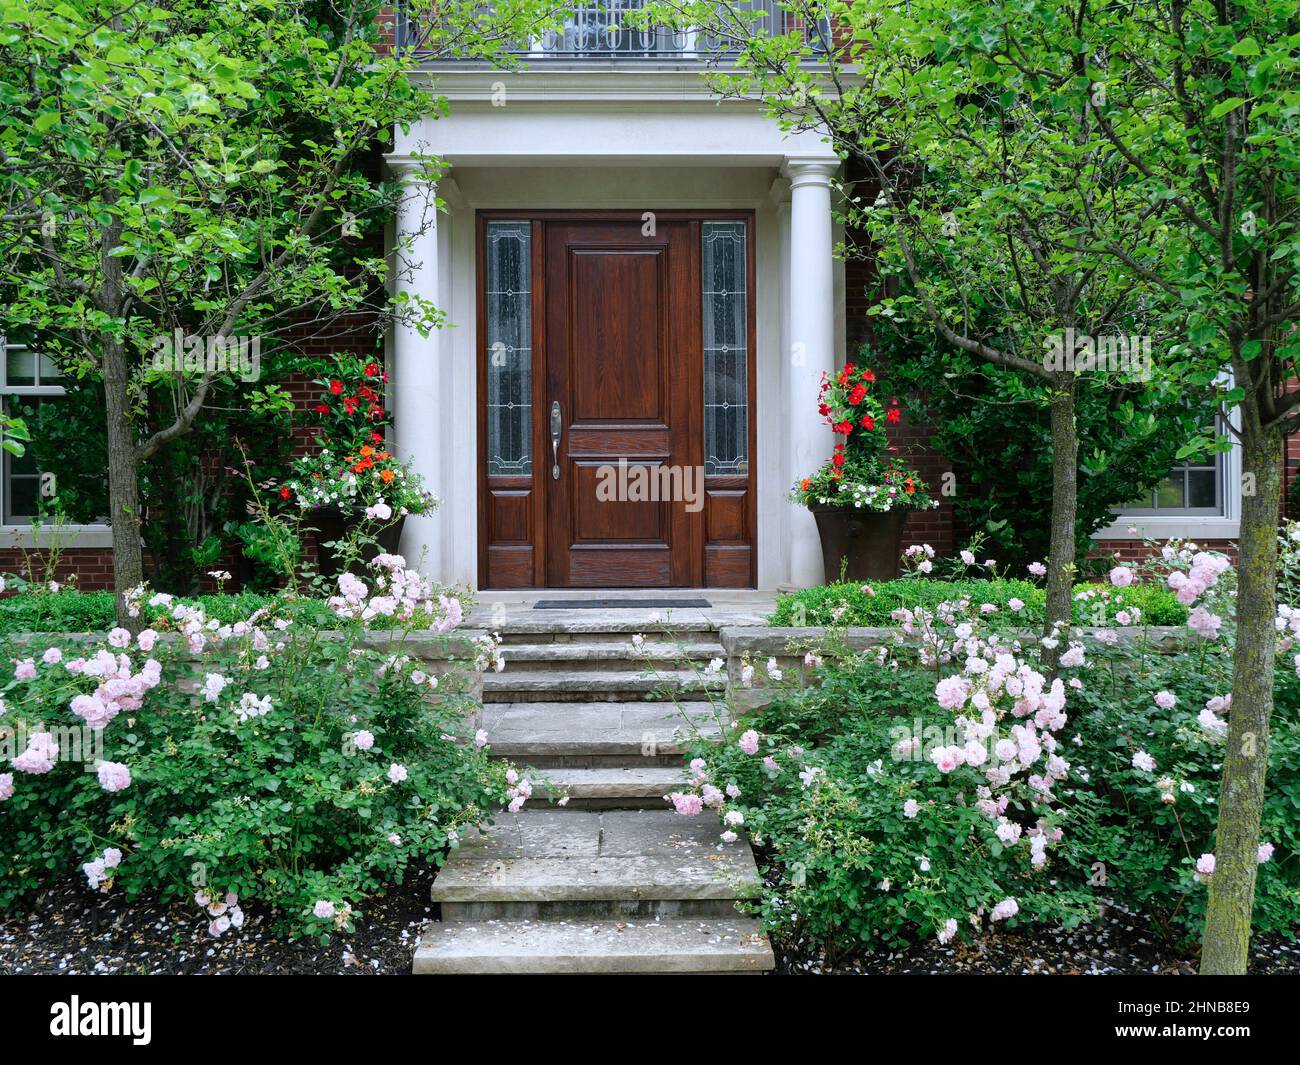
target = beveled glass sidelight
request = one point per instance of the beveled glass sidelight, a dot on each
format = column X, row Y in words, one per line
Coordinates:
column 508, row 269
column 726, row 348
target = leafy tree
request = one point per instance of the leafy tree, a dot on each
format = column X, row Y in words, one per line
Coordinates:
column 997, row 436
column 976, row 128
column 204, row 167
column 1202, row 103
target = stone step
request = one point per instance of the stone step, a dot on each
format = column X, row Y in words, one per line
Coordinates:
column 588, row 863
column 515, row 634
column 599, row 733
column 612, row 787
column 640, row 945
column 516, row 625
column 560, row 686
column 617, row 656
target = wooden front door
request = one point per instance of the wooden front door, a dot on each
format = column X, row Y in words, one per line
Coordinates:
column 603, row 346
column 622, row 356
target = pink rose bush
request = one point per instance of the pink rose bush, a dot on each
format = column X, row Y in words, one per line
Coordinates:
column 284, row 768
column 950, row 783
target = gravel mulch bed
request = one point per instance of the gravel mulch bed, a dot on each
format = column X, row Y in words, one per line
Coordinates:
column 73, row 930
column 1119, row 943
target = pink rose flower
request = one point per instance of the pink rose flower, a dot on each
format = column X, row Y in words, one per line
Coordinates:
column 113, row 776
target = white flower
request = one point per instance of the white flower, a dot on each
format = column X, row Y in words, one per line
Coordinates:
column 1142, row 760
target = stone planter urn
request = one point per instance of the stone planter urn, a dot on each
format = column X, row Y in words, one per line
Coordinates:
column 332, row 525
column 869, row 540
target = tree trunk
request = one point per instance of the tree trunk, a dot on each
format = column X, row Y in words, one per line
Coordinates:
column 1065, row 505
column 123, row 482
column 1245, row 762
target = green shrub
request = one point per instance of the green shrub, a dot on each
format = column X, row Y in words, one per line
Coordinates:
column 844, row 864
column 252, row 757
column 846, row 603
column 68, row 610
column 1143, row 838
column 917, row 784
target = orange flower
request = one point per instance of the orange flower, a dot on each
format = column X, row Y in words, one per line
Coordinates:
column 386, row 476
column 366, row 451
column 805, row 483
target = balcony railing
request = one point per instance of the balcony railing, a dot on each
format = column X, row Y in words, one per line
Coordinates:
column 599, row 31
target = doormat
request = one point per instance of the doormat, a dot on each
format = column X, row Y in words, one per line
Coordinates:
column 617, row 604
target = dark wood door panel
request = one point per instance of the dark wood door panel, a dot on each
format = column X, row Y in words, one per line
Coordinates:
column 617, row 302
column 623, row 349
column 603, row 567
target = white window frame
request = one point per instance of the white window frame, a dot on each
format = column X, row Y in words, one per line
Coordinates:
column 1223, row 526
column 14, row 534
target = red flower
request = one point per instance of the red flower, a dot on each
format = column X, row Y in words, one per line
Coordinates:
column 844, row 428
column 372, row 369
column 823, row 410
column 858, row 394
column 378, row 438
column 322, row 408
column 838, row 459
column 350, row 405
column 336, row 387
column 868, row 422
column 868, row 375
column 893, row 416
column 849, row 368
column 285, row 493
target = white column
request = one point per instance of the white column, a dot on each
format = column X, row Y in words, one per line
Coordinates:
column 812, row 340
column 414, row 376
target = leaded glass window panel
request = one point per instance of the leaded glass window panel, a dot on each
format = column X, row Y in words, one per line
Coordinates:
column 509, row 348
column 726, row 348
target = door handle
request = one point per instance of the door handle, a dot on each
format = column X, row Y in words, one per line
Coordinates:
column 557, row 426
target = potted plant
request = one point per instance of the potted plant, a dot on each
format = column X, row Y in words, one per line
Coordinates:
column 355, row 494
column 359, row 503
column 862, row 494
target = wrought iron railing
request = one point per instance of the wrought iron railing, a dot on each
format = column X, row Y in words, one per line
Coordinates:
column 599, row 30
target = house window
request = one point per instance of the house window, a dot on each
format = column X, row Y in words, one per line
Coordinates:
column 726, row 349
column 1192, row 489
column 27, row 380
column 509, row 348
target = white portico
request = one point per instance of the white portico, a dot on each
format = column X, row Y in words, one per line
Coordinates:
column 591, row 142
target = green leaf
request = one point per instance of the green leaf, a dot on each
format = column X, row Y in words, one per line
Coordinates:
column 1224, row 106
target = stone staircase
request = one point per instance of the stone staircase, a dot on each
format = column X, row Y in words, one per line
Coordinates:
column 616, row 881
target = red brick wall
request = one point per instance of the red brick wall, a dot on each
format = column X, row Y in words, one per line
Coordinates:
column 1136, row 550
column 861, row 289
column 1291, row 478
column 90, row 567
